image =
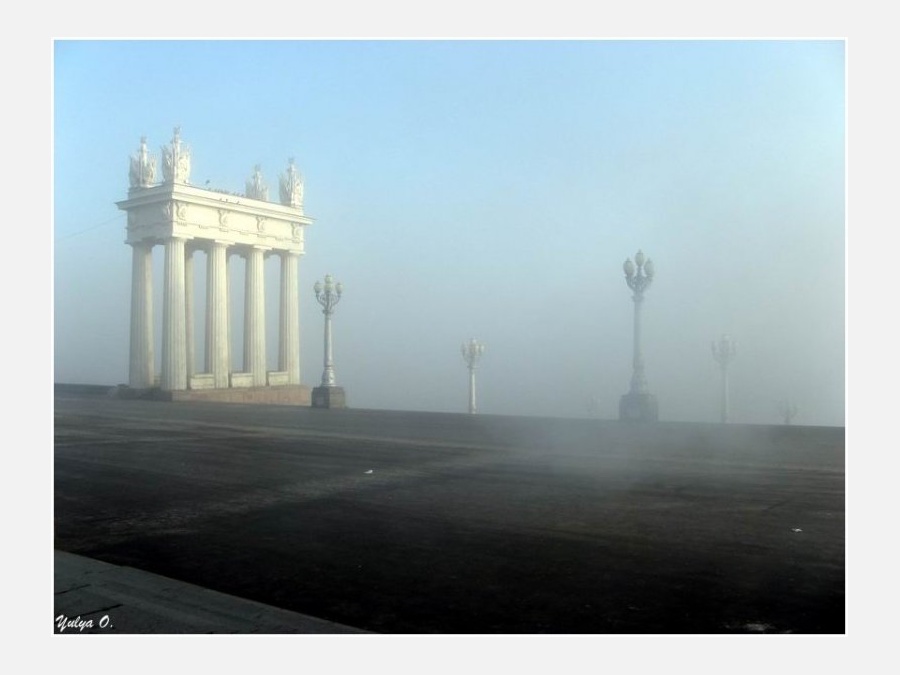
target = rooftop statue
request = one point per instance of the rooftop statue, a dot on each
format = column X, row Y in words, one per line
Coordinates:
column 256, row 187
column 176, row 160
column 142, row 170
column 291, row 184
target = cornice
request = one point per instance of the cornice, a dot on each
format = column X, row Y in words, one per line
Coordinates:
column 188, row 194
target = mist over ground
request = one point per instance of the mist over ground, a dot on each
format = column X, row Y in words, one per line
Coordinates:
column 490, row 189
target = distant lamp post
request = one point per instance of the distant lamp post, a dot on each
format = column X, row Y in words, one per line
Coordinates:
column 593, row 406
column 724, row 352
column 787, row 411
column 638, row 404
column 471, row 352
column 328, row 395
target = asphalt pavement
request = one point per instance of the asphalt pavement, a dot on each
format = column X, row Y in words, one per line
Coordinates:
column 393, row 522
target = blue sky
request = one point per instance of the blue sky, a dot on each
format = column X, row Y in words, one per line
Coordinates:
column 493, row 189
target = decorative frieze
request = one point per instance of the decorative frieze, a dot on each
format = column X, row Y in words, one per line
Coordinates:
column 167, row 210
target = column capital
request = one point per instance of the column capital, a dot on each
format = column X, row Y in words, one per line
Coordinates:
column 193, row 245
column 244, row 250
column 212, row 245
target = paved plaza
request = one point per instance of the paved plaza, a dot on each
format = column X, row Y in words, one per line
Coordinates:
column 396, row 522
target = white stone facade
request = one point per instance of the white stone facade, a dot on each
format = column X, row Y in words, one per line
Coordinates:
column 184, row 219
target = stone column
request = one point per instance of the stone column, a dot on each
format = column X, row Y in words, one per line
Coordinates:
column 289, row 318
column 189, row 311
column 255, row 316
column 174, row 366
column 140, row 368
column 218, row 346
column 230, row 253
column 724, row 395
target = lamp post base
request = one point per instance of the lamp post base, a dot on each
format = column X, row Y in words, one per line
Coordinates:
column 638, row 408
column 329, row 397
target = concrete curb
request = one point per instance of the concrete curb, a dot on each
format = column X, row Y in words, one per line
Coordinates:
column 91, row 596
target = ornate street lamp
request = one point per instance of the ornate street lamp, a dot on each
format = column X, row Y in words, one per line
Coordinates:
column 471, row 352
column 724, row 352
column 787, row 410
column 328, row 395
column 638, row 404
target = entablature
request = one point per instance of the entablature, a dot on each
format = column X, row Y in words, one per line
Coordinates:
column 159, row 212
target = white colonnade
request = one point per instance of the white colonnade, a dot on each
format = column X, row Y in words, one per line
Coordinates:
column 184, row 219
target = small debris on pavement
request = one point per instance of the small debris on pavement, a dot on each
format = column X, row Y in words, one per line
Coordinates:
column 796, row 529
column 370, row 471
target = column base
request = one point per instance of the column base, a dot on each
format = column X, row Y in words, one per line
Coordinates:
column 638, row 408
column 329, row 397
column 283, row 395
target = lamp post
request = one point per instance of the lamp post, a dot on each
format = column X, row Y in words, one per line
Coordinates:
column 328, row 395
column 724, row 352
column 638, row 404
column 787, row 410
column 471, row 352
